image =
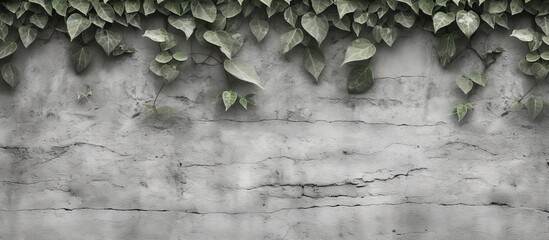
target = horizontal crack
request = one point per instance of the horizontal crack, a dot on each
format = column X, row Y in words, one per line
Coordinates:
column 320, row 121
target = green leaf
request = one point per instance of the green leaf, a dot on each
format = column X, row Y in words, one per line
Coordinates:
column 163, row 57
column 229, row 98
column 477, row 78
column 230, row 9
column 543, row 23
column 313, row 59
column 291, row 39
column 158, row 35
column 405, row 19
column 516, row 7
column 412, row 5
column 532, row 57
column 7, row 48
column 3, row 31
column 169, row 72
column 39, row 20
column 427, row 6
column 446, row 49
column 204, row 9
column 534, row 107
column 468, row 22
column 185, row 24
column 320, row 5
column 464, row 84
column 132, row 6
column 224, row 41
column 259, row 28
column 461, row 111
column 360, row 80
column 96, row 20
column 60, row 7
column 539, row 71
column 46, row 4
column 149, row 7
column 81, row 5
column 290, row 16
column 76, row 24
column 389, row 35
column 267, row 2
column 6, row 18
column 316, row 26
column 155, row 67
column 180, row 56
column 80, row 58
column 442, row 19
column 27, row 35
column 243, row 102
column 346, row 6
column 525, row 34
column 359, row 49
column 242, row 70
column 108, row 39
column 104, row 11
column 545, row 55
column 10, row 74
column 497, row 6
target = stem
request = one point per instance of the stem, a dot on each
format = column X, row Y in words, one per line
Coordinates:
column 526, row 93
column 158, row 93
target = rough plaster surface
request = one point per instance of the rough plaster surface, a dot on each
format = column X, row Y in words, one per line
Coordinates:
column 308, row 162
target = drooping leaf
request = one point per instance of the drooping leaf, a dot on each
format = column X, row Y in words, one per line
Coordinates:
column 229, row 98
column 290, row 16
column 313, row 59
column 360, row 80
column 81, row 5
column 320, row 5
column 108, row 39
column 27, row 35
column 224, row 41
column 155, row 67
column 468, row 22
column 291, row 39
column 242, row 70
column 149, row 7
column 80, row 57
column 446, row 49
column 76, row 24
column 524, row 34
column 169, row 72
column 243, row 102
column 180, row 56
column 104, row 11
column 477, row 78
column 461, row 111
column 185, row 24
column 464, row 84
column 543, row 23
column 159, row 35
column 10, row 74
column 359, row 49
column 7, row 48
column 3, row 31
column 204, row 9
column 132, row 6
column 427, row 6
column 259, row 28
column 39, row 20
column 516, row 6
column 534, row 107
column 497, row 6
column 406, row 19
column 389, row 35
column 230, row 9
column 316, row 26
column 60, row 6
column 346, row 6
column 45, row 4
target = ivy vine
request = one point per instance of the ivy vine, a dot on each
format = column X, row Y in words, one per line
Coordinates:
column 214, row 24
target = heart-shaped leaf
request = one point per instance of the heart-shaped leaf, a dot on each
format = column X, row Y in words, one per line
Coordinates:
column 359, row 49
column 76, row 24
column 313, row 59
column 80, row 58
column 360, row 80
column 242, row 70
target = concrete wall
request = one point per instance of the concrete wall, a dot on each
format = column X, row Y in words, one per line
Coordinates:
column 308, row 162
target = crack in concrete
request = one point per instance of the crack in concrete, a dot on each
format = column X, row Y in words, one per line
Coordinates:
column 320, row 121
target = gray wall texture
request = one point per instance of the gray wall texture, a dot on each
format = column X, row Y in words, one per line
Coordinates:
column 308, row 162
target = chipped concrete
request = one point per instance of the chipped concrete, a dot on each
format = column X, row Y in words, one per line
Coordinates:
column 308, row 162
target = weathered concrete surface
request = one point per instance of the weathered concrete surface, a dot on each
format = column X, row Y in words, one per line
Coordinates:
column 308, row 162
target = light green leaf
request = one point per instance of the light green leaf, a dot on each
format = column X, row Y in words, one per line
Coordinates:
column 534, row 107
column 39, row 20
column 81, row 5
column 427, row 6
column 346, row 6
column 230, row 9
column 104, row 11
column 3, row 31
column 108, row 39
column 76, row 24
column 267, row 2
column 461, row 111
column 389, row 35
column 516, row 6
column 155, row 68
column 185, row 24
column 149, row 7
column 163, row 57
column 259, row 28
column 539, row 71
column 412, row 5
column 359, row 49
column 316, row 26
column 169, row 72
column 468, row 22
column 27, row 35
column 543, row 23
column 158, row 35
column 545, row 55
column 525, row 34
column 180, row 56
column 80, row 58
column 204, row 9
column 360, row 80
column 406, row 19
column 96, row 20
column 497, row 6
column 243, row 102
column 320, row 5
column 446, row 49
column 532, row 57
column 477, row 78
column 442, row 19
column 229, row 98
column 224, row 41
column 6, row 18
column 132, row 6
column 7, row 48
column 60, row 7
column 464, row 84
column 290, row 16
column 291, row 39
column 10, row 74
column 242, row 70
column 313, row 59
